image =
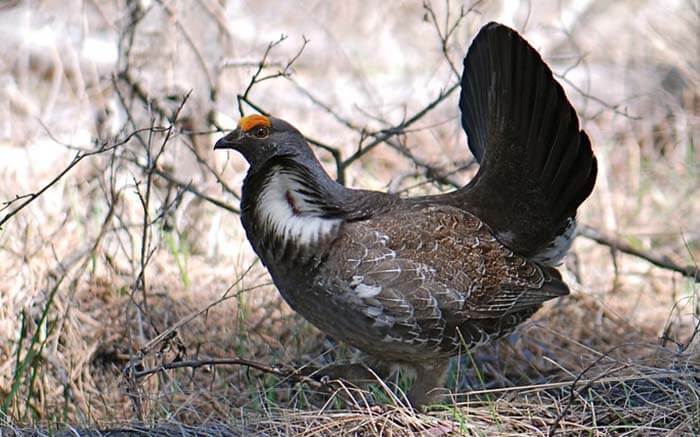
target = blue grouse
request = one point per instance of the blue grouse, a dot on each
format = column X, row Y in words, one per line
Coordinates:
column 412, row 281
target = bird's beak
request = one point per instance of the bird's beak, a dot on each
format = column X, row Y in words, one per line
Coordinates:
column 230, row 140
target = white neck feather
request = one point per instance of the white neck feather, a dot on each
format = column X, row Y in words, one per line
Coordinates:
column 289, row 213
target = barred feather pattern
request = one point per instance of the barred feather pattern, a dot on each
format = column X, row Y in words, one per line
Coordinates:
column 426, row 280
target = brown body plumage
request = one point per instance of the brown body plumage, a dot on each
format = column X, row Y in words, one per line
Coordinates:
column 411, row 281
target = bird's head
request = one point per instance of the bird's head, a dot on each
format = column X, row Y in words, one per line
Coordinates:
column 259, row 138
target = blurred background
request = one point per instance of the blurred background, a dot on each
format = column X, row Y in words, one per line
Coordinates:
column 121, row 247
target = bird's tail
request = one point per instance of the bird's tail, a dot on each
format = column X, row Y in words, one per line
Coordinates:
column 536, row 165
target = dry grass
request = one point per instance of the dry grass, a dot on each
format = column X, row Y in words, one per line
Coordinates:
column 129, row 243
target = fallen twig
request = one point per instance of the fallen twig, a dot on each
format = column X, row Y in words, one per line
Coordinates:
column 231, row 361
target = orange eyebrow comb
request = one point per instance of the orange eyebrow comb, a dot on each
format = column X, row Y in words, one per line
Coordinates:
column 251, row 121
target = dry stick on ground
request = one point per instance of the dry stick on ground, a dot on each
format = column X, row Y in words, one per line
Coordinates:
column 598, row 380
column 133, row 372
column 194, row 364
column 287, row 374
column 168, row 334
column 555, row 424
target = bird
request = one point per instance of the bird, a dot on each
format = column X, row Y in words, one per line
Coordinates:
column 412, row 281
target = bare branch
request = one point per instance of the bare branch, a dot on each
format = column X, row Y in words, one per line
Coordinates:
column 608, row 106
column 256, row 78
column 383, row 135
column 187, row 186
column 79, row 156
column 660, row 261
column 188, row 38
column 449, row 28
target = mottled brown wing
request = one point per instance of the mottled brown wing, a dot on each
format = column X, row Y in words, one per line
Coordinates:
column 420, row 274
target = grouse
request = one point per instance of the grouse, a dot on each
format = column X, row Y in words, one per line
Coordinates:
column 412, row 281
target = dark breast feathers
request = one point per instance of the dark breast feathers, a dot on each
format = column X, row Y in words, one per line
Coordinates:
column 423, row 280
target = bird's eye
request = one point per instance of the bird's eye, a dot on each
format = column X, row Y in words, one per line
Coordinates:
column 260, row 132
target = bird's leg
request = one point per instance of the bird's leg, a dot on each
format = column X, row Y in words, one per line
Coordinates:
column 429, row 383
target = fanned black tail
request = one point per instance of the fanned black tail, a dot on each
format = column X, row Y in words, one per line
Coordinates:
column 536, row 165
